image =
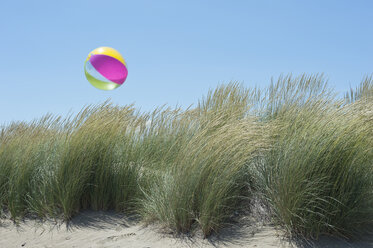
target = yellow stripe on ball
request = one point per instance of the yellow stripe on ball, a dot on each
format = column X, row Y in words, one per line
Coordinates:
column 109, row 52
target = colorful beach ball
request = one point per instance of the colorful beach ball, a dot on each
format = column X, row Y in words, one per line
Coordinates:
column 105, row 68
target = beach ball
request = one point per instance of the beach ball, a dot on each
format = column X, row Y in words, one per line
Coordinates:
column 105, row 68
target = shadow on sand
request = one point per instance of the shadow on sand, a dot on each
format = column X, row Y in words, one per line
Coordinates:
column 101, row 220
column 333, row 242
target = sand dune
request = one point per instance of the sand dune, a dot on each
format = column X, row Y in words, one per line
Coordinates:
column 108, row 229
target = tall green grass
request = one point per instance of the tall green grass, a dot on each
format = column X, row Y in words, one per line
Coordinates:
column 317, row 178
column 295, row 145
column 209, row 175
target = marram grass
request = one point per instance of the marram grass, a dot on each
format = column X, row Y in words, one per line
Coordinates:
column 305, row 153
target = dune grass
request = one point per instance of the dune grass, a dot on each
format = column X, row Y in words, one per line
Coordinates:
column 317, row 177
column 307, row 154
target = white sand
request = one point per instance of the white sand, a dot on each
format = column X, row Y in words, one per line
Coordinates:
column 108, row 229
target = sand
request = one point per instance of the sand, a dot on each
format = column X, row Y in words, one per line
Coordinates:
column 109, row 229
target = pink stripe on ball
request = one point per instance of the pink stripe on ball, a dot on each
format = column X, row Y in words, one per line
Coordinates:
column 109, row 67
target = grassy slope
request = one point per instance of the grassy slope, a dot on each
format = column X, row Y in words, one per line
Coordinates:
column 306, row 154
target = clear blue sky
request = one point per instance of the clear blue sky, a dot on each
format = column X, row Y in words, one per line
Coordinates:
column 175, row 50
